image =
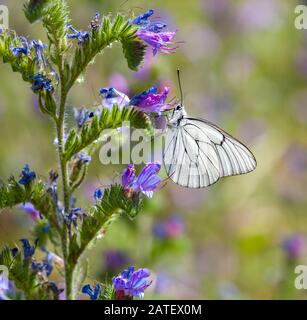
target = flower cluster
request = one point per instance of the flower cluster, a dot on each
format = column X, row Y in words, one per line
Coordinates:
column 146, row 182
column 131, row 283
column 40, row 81
column 149, row 101
column 151, row 33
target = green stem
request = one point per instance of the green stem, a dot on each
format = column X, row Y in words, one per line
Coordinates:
column 65, row 184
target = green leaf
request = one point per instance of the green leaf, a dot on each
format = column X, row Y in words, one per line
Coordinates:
column 113, row 204
column 33, row 286
column 55, row 18
column 110, row 31
column 107, row 120
column 37, row 193
column 34, row 9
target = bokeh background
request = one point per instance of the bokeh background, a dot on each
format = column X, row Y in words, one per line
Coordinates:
column 243, row 66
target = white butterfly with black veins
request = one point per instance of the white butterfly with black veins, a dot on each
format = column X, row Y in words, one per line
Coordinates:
column 197, row 153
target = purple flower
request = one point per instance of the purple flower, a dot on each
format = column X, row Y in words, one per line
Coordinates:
column 29, row 208
column 111, row 96
column 82, row 159
column 26, row 175
column 293, row 246
column 173, row 227
column 28, row 250
column 94, row 294
column 147, row 181
column 160, row 42
column 82, row 116
column 151, row 100
column 81, row 36
column 114, row 259
column 151, row 33
column 131, row 283
column 41, row 82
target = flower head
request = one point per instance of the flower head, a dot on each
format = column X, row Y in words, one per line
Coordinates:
column 25, row 49
column 146, row 182
column 28, row 250
column 159, row 41
column 111, row 96
column 151, row 100
column 131, row 283
column 39, row 48
column 29, row 208
column 98, row 194
column 81, row 36
column 46, row 266
column 151, row 33
column 93, row 293
column 41, row 82
column 26, row 175
column 82, row 159
column 82, row 116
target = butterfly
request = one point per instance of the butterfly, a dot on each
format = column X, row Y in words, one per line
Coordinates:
column 197, row 152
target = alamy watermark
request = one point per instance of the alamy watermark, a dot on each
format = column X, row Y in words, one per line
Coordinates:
column 300, row 281
column 126, row 145
column 4, row 17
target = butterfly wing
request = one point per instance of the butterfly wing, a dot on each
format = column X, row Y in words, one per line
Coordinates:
column 198, row 153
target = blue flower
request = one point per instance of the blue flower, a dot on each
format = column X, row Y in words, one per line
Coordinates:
column 73, row 217
column 131, row 283
column 41, row 82
column 39, row 48
column 28, row 250
column 81, row 36
column 82, row 116
column 147, row 181
column 26, row 176
column 142, row 20
column 83, row 158
column 111, row 96
column 24, row 50
column 45, row 267
column 98, row 194
column 94, row 294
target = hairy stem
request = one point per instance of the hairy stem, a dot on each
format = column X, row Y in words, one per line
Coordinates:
column 60, row 125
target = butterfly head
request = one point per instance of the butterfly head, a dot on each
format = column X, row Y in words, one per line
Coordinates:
column 177, row 115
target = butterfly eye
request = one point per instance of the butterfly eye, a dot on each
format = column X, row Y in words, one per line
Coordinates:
column 178, row 108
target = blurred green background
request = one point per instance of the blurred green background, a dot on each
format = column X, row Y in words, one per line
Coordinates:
column 244, row 67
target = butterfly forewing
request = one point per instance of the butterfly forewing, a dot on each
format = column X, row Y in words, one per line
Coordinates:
column 197, row 153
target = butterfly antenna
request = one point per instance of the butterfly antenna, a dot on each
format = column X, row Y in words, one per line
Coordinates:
column 180, row 87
